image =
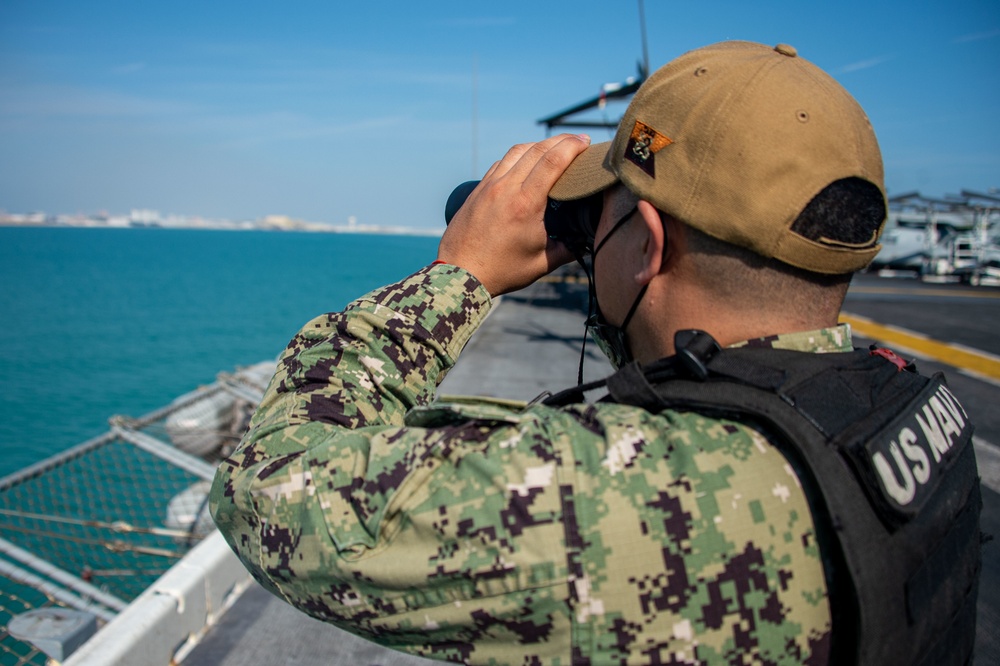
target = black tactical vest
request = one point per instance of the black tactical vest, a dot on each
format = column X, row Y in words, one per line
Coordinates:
column 886, row 458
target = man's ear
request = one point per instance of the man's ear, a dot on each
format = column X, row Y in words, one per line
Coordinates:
column 654, row 243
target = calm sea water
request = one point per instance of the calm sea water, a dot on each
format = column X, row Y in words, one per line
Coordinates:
column 97, row 322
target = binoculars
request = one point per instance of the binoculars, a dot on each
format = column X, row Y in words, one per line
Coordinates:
column 572, row 223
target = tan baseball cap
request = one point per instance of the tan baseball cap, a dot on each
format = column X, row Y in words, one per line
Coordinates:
column 735, row 139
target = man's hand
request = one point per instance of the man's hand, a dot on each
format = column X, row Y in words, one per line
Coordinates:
column 499, row 233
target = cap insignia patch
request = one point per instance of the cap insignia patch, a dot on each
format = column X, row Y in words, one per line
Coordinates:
column 643, row 144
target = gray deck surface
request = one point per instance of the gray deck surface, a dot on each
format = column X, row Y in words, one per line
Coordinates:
column 531, row 343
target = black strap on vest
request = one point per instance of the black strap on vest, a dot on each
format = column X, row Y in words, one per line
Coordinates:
column 889, row 470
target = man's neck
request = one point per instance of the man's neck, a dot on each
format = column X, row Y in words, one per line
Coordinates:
column 652, row 337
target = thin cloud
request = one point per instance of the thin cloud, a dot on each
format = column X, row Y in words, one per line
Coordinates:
column 129, row 68
column 864, row 64
column 977, row 36
column 281, row 127
column 478, row 22
column 42, row 100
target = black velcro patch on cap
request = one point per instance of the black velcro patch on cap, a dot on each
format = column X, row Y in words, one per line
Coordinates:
column 846, row 213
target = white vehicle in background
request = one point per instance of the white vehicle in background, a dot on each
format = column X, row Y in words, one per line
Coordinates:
column 955, row 239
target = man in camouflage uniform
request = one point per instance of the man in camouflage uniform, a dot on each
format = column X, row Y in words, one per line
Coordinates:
column 596, row 532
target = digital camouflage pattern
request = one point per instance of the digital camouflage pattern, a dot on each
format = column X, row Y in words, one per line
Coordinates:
column 488, row 534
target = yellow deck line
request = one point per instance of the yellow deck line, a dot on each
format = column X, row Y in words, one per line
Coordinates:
column 568, row 279
column 928, row 291
column 965, row 359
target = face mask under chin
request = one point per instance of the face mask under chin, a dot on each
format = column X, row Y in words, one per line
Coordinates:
column 611, row 339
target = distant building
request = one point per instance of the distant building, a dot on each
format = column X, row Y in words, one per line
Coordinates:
column 281, row 222
column 34, row 219
column 144, row 218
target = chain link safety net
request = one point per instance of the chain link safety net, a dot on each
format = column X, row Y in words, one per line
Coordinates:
column 91, row 528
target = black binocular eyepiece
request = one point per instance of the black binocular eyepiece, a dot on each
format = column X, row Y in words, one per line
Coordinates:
column 572, row 223
column 457, row 198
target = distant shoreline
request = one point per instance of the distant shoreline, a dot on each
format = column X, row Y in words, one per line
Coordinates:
column 310, row 229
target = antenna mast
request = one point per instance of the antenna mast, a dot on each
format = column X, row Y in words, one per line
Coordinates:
column 475, row 115
column 645, row 48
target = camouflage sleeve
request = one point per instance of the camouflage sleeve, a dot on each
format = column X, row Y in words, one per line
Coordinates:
column 355, row 371
column 382, row 356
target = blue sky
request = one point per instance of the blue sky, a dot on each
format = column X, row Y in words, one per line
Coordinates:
column 325, row 110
